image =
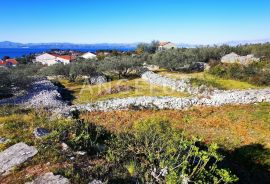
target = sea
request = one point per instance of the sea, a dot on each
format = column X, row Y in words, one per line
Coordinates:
column 20, row 52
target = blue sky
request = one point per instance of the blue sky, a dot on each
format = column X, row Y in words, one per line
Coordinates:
column 126, row 21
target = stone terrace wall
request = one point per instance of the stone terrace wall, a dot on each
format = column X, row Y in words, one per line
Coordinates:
column 43, row 94
column 227, row 97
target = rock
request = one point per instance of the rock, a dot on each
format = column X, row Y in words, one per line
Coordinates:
column 178, row 85
column 205, row 96
column 151, row 67
column 198, row 66
column 98, row 79
column 217, row 98
column 50, row 178
column 182, row 85
column 235, row 58
column 96, row 182
column 3, row 140
column 15, row 155
column 116, row 89
column 64, row 146
column 40, row 132
column 42, row 94
column 80, row 153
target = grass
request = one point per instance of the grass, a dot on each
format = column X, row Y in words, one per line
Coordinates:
column 230, row 126
column 210, row 80
column 90, row 93
column 241, row 131
column 17, row 125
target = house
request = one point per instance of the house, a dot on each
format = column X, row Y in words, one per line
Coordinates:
column 11, row 62
column 50, row 59
column 166, row 46
column 89, row 55
column 2, row 63
column 8, row 62
column 235, row 58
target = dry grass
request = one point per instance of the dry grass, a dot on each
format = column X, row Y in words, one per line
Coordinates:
column 230, row 126
column 207, row 78
column 85, row 93
column 243, row 131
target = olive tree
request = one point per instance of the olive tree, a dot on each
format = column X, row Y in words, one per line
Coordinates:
column 122, row 66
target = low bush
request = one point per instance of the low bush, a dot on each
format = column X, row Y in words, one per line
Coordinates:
column 123, row 66
column 257, row 73
column 156, row 153
column 16, row 79
column 84, row 136
column 72, row 70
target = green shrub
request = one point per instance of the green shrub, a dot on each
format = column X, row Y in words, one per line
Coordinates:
column 156, row 153
column 15, row 79
column 87, row 137
column 72, row 70
column 123, row 66
column 257, row 73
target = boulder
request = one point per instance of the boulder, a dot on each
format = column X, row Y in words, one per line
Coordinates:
column 41, row 132
column 98, row 79
column 50, row 178
column 96, row 182
column 15, row 155
column 235, row 58
column 3, row 140
column 151, row 67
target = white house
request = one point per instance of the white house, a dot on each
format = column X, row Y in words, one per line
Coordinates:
column 166, row 46
column 50, row 59
column 89, row 55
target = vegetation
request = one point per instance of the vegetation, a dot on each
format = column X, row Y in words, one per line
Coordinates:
column 242, row 132
column 104, row 147
column 257, row 73
column 72, row 70
column 244, row 140
column 122, row 66
column 84, row 93
column 157, row 153
column 148, row 48
column 187, row 59
column 147, row 146
column 16, row 79
column 205, row 78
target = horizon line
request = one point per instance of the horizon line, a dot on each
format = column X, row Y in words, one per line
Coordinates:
column 138, row 42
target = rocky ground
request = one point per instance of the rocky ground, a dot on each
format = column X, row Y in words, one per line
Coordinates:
column 43, row 94
column 206, row 97
column 14, row 156
column 230, row 97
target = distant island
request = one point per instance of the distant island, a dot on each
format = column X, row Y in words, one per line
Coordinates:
column 112, row 46
column 105, row 46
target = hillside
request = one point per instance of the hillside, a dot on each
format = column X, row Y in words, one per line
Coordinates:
column 137, row 119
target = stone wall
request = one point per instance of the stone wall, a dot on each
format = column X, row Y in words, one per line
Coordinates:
column 214, row 98
column 42, row 94
column 144, row 102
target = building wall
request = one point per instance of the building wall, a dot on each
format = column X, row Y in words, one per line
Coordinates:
column 47, row 59
column 167, row 46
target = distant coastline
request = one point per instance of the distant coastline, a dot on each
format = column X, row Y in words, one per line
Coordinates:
column 20, row 52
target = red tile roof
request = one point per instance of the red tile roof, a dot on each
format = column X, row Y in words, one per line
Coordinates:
column 67, row 57
column 2, row 62
column 55, row 55
column 163, row 43
column 13, row 61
